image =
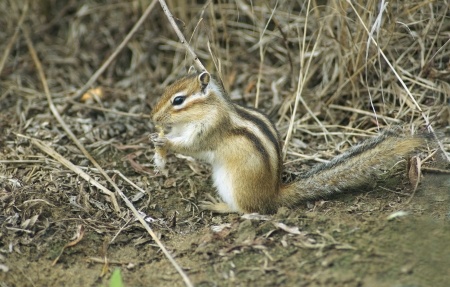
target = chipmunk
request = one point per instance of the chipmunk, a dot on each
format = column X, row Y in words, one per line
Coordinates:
column 243, row 147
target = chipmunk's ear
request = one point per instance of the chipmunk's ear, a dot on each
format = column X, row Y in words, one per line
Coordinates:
column 204, row 79
column 192, row 70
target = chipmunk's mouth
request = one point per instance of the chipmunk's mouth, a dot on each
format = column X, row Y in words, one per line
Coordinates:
column 165, row 127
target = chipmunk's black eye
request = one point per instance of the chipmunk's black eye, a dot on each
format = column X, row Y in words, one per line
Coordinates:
column 178, row 100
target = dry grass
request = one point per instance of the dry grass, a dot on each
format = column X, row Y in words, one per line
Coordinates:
column 329, row 73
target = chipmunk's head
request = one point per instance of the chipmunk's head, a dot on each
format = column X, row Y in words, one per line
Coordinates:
column 186, row 100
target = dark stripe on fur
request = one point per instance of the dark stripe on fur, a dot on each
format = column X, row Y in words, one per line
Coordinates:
column 351, row 153
column 254, row 140
column 262, row 125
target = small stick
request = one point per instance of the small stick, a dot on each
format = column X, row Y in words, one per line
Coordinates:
column 78, row 171
column 136, row 213
column 416, row 104
column 58, row 117
column 198, row 64
column 110, row 111
column 362, row 112
column 301, row 82
column 100, row 169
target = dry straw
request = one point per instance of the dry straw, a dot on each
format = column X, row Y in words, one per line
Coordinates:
column 328, row 73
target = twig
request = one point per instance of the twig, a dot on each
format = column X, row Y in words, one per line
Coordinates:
column 147, row 227
column 435, row 170
column 424, row 116
column 110, row 111
column 286, row 45
column 94, row 162
column 21, row 161
column 375, row 28
column 387, row 61
column 78, row 171
column 119, row 48
column 262, row 54
column 14, row 37
column 198, row 64
column 130, row 205
column 300, row 85
column 362, row 112
column 61, row 121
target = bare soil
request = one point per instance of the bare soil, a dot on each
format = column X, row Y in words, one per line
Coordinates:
column 345, row 242
column 384, row 237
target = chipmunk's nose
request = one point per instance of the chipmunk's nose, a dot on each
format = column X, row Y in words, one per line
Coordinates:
column 154, row 114
column 158, row 118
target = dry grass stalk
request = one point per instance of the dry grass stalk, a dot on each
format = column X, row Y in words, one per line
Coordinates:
column 78, row 171
column 61, row 121
column 86, row 153
column 198, row 64
column 264, row 53
column 116, row 52
column 174, row 263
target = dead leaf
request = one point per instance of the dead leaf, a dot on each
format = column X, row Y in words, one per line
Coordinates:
column 291, row 230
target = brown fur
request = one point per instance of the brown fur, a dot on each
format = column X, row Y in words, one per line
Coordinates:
column 247, row 144
column 358, row 169
column 251, row 174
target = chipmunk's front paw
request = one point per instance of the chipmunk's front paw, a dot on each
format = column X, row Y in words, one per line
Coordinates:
column 157, row 140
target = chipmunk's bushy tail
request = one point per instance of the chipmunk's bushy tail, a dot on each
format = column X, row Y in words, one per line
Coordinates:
column 359, row 168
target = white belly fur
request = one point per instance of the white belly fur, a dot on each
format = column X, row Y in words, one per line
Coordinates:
column 224, row 185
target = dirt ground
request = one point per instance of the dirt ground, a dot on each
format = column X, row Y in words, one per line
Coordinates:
column 345, row 242
column 389, row 236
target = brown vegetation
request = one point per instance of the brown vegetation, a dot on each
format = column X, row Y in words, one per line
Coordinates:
column 329, row 73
